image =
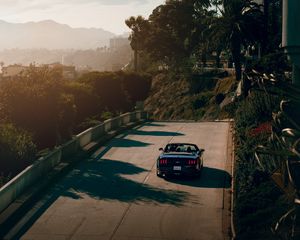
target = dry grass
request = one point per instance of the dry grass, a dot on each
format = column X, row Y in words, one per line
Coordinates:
column 174, row 98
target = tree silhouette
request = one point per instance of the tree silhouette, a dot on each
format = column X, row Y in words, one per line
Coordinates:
column 237, row 25
column 138, row 25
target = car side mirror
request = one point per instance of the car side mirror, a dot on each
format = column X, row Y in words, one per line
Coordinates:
column 161, row 149
column 200, row 151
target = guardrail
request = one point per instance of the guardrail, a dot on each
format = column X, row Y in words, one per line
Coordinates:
column 17, row 186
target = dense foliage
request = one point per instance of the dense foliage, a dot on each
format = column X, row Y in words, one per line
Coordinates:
column 185, row 34
column 259, row 203
column 51, row 109
column 36, row 102
column 17, row 150
column 279, row 156
column 267, row 133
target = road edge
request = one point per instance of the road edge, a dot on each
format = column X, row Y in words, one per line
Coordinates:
column 227, row 209
column 232, row 157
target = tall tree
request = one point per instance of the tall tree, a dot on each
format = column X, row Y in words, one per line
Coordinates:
column 272, row 25
column 238, row 25
column 138, row 25
column 172, row 27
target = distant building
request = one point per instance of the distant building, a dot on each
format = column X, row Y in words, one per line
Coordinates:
column 116, row 43
column 13, row 70
column 68, row 72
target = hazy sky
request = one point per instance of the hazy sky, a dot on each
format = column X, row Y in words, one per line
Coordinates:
column 107, row 14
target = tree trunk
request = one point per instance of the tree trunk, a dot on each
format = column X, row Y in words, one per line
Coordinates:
column 265, row 26
column 135, row 60
column 236, row 56
column 218, row 60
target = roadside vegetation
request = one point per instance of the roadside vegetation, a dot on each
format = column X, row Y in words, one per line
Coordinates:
column 259, row 202
column 187, row 39
column 183, row 44
column 40, row 110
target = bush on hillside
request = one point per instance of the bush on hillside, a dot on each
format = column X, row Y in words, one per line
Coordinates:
column 17, row 149
column 272, row 62
column 202, row 99
column 219, row 98
column 108, row 86
column 258, row 201
column 136, row 85
column 118, row 92
column 86, row 102
column 203, row 82
column 37, row 103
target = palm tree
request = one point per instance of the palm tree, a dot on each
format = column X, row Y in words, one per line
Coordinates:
column 236, row 26
column 138, row 25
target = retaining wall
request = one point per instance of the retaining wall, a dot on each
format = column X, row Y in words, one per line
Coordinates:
column 14, row 188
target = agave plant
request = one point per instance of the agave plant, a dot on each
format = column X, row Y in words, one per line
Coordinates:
column 281, row 157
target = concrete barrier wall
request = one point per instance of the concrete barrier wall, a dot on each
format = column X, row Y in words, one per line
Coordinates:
column 97, row 132
column 125, row 118
column 85, row 137
column 14, row 188
column 107, row 126
column 70, row 148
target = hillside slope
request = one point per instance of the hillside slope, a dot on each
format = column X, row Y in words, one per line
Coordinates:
column 198, row 97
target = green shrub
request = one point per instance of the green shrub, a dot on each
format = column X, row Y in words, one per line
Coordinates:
column 255, row 109
column 202, row 99
column 258, row 201
column 17, row 149
column 203, row 82
column 106, row 115
column 231, row 109
column 219, row 98
column 109, row 87
column 86, row 102
column 272, row 62
column 36, row 102
column 136, row 85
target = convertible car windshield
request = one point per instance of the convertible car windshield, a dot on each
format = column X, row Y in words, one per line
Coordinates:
column 181, row 147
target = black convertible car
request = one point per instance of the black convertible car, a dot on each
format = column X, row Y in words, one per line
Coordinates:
column 180, row 159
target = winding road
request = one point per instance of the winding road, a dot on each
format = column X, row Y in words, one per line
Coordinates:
column 115, row 194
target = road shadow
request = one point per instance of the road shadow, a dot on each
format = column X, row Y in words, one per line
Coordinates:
column 210, row 178
column 122, row 142
column 126, row 143
column 152, row 124
column 155, row 133
column 104, row 179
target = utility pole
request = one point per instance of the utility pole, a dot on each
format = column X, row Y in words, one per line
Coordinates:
column 291, row 35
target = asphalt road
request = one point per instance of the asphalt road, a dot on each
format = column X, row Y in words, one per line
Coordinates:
column 116, row 194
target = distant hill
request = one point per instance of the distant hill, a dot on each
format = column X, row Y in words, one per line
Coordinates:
column 51, row 35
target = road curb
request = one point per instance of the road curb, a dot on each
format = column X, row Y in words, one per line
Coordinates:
column 233, row 237
column 227, row 192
